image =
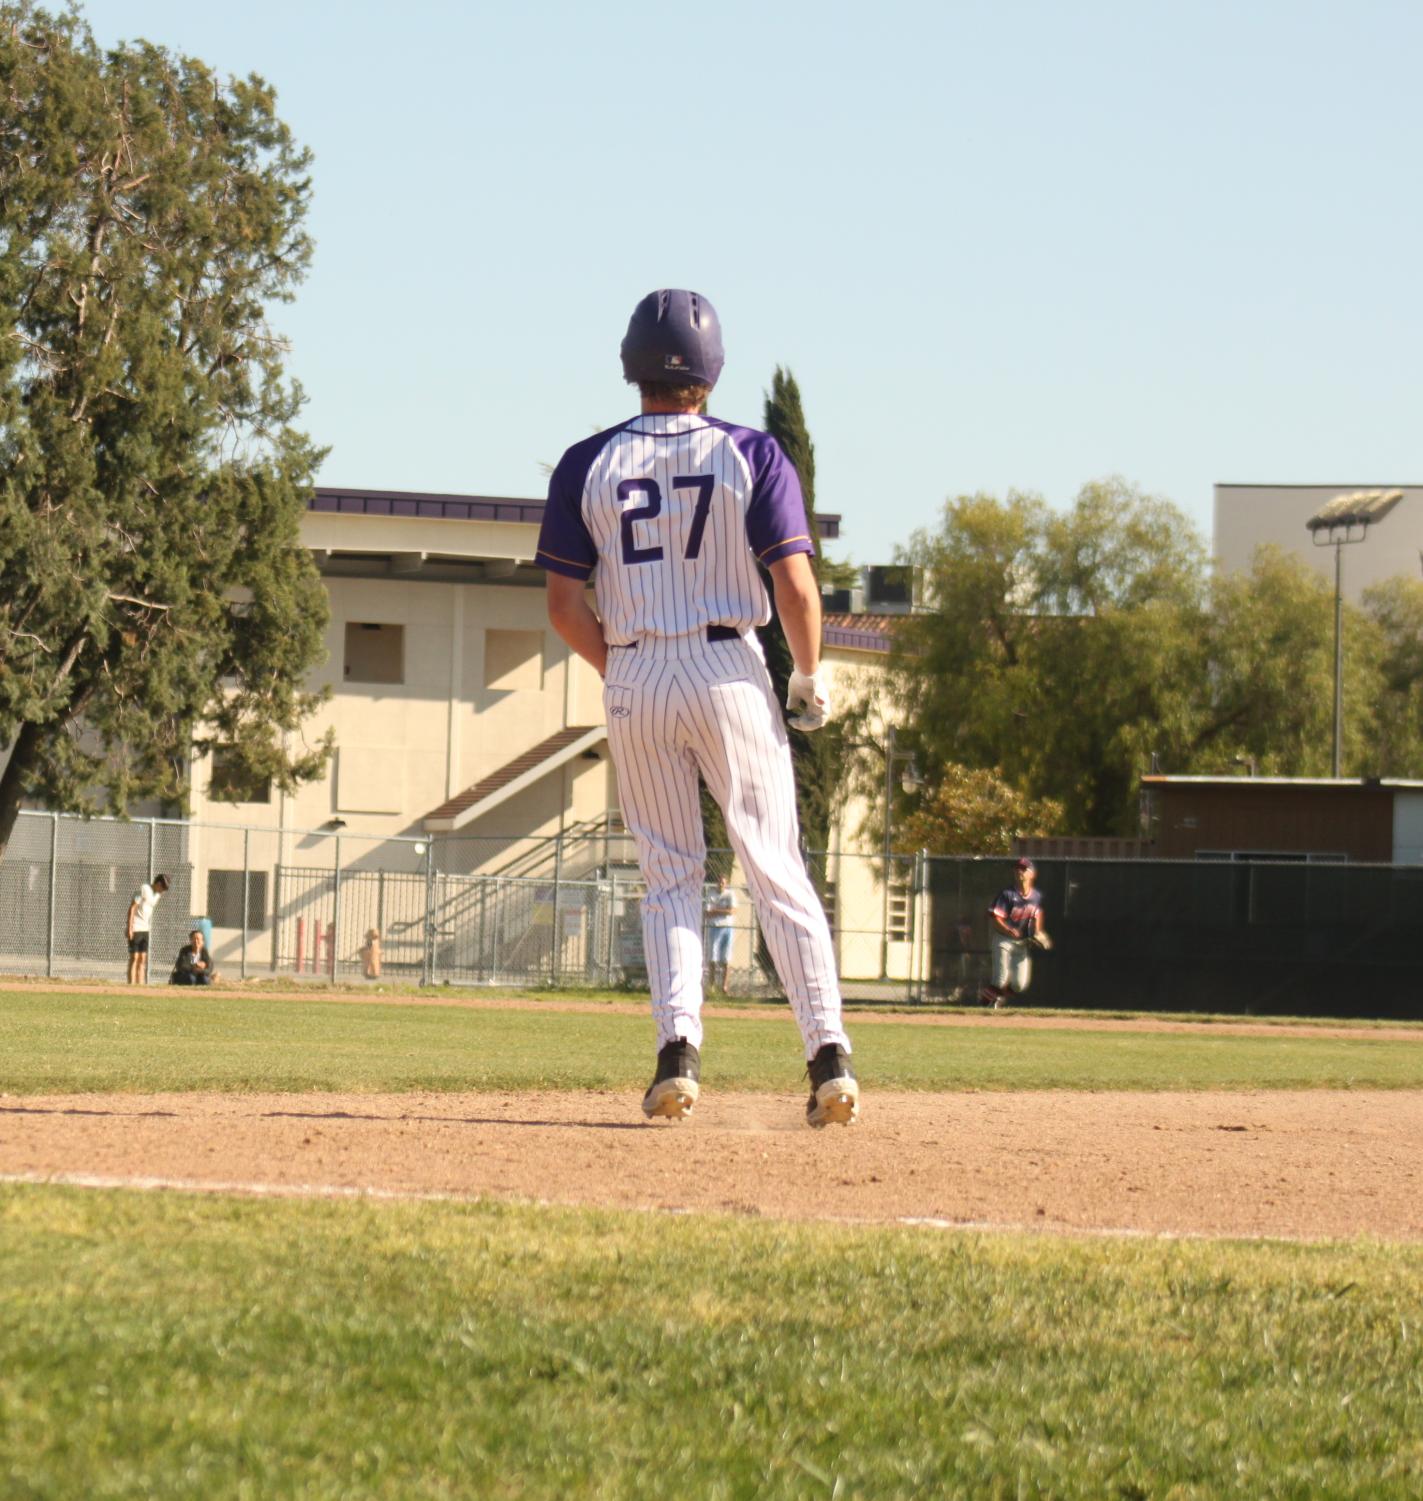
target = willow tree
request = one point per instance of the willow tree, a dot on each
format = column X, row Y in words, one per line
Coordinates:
column 154, row 595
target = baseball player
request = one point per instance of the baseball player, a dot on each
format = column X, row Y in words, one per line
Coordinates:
column 670, row 514
column 1017, row 916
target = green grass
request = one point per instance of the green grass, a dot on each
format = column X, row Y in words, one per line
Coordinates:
column 287, row 985
column 168, row 1040
column 173, row 1346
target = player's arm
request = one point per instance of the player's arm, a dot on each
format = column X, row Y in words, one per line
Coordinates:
column 779, row 535
column 128, row 924
column 798, row 605
column 1000, row 921
column 572, row 617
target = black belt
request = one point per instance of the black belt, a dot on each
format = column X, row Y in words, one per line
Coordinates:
column 714, row 633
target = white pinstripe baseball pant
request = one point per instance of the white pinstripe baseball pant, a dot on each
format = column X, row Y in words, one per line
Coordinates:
column 677, row 705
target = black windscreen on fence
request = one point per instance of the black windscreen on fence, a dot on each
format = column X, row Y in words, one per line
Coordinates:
column 1264, row 937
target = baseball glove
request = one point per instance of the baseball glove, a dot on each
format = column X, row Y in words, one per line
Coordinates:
column 1040, row 941
column 809, row 700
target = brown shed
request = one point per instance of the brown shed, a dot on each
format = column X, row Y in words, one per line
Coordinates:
column 1239, row 817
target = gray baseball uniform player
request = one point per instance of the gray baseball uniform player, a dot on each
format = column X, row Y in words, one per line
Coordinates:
column 669, row 514
column 1017, row 918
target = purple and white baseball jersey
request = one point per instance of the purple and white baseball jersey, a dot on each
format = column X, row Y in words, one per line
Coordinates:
column 672, row 512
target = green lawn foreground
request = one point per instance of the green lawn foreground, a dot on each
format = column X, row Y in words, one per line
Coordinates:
column 166, row 1040
column 176, row 1346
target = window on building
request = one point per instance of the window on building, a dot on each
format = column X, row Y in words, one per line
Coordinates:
column 225, row 899
column 513, row 660
column 374, row 653
column 232, row 782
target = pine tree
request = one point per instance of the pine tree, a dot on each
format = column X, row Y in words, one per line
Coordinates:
column 154, row 594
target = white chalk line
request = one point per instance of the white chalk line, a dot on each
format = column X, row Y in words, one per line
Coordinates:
column 150, row 1184
column 259, row 1190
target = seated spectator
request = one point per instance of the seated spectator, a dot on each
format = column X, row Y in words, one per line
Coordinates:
column 193, row 965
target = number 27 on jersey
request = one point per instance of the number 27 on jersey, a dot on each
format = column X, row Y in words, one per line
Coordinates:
column 651, row 507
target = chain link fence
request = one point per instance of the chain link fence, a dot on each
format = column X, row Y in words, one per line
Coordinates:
column 342, row 906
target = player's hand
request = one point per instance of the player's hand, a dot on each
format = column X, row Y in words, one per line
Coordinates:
column 1040, row 940
column 808, row 699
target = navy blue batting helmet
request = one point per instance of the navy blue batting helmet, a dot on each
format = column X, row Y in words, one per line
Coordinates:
column 673, row 337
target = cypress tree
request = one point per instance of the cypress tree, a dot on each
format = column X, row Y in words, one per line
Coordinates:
column 813, row 754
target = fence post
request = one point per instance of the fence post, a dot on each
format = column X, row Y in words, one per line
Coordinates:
column 335, row 909
column 556, row 954
column 276, row 912
column 380, row 903
column 923, row 954
column 246, row 883
column 427, row 960
column 53, row 883
column 612, row 925
column 152, row 861
column 483, row 949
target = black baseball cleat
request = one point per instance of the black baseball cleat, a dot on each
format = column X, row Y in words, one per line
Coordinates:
column 674, row 1086
column 834, row 1093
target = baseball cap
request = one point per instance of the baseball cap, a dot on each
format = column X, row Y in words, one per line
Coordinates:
column 1026, row 864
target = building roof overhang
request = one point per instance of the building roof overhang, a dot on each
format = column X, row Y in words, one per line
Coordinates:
column 1339, row 784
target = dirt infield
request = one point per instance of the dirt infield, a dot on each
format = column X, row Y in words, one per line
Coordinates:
column 1311, row 1164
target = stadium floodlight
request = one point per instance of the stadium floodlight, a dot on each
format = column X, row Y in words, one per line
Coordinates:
column 1345, row 519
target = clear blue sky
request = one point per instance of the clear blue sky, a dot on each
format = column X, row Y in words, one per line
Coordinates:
column 999, row 244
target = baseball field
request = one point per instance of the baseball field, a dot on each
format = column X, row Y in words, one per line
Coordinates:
column 261, row 1245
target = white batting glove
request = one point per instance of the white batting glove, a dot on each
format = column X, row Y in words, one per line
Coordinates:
column 808, row 699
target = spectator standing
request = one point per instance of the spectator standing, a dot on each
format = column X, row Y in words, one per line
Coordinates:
column 721, row 918
column 140, row 926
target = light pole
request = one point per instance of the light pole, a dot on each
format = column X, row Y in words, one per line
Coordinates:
column 1346, row 519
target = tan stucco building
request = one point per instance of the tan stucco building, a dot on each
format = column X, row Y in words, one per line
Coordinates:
column 461, row 720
